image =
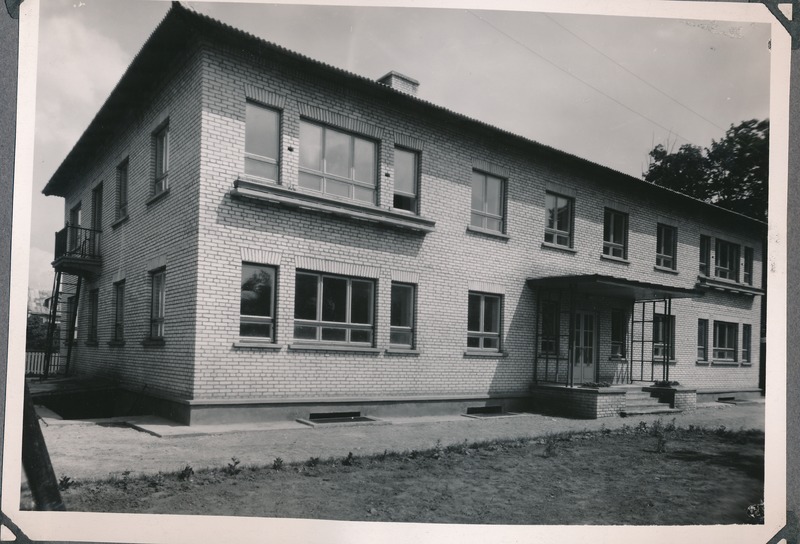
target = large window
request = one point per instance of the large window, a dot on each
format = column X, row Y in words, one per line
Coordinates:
column 122, row 190
column 550, row 318
column 663, row 337
column 157, row 298
column 333, row 309
column 615, row 234
column 261, row 141
column 558, row 221
column 337, row 163
column 748, row 266
column 619, row 329
column 702, row 339
column 747, row 336
column 406, row 179
column 705, row 255
column 94, row 307
column 119, row 312
column 483, row 321
column 487, row 202
column 725, row 341
column 727, row 260
column 402, row 318
column 257, row 300
column 666, row 246
column 161, row 150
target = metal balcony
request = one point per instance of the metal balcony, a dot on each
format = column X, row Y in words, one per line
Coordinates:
column 78, row 251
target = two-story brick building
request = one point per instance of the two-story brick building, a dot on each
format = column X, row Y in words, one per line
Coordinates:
column 260, row 235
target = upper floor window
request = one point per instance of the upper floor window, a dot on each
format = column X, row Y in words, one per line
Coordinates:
column 725, row 340
column 615, row 234
column 487, row 202
column 666, row 246
column 406, row 182
column 157, row 299
column 161, row 150
column 334, row 309
column 748, row 266
column 483, row 321
column 122, row 190
column 705, row 255
column 727, row 260
column 257, row 300
column 402, row 318
column 261, row 141
column 337, row 163
column 558, row 222
column 74, row 237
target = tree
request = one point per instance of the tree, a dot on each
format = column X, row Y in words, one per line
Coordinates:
column 733, row 173
column 36, row 333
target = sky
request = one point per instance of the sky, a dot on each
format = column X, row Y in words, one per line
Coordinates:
column 604, row 88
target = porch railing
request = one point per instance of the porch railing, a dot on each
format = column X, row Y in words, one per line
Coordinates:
column 35, row 363
column 73, row 241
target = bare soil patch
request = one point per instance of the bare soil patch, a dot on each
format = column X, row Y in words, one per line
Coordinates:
column 635, row 475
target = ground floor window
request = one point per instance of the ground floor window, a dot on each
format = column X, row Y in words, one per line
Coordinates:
column 483, row 322
column 402, row 318
column 663, row 337
column 550, row 326
column 119, row 312
column 94, row 299
column 702, row 339
column 619, row 327
column 157, row 298
column 332, row 309
column 747, row 333
column 725, row 340
column 257, row 300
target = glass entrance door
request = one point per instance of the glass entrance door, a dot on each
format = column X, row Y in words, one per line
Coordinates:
column 583, row 348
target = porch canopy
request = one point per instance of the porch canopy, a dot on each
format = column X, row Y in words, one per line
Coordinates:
column 610, row 286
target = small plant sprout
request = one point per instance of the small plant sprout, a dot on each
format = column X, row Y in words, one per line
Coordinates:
column 277, row 464
column 65, row 483
column 312, row 462
column 186, row 473
column 233, row 467
column 349, row 460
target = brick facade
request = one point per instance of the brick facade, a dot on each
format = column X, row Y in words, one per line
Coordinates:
column 203, row 231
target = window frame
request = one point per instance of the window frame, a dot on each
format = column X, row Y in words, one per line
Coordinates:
column 403, row 329
column 747, row 343
column 161, row 152
column 552, row 231
column 550, row 327
column 414, row 208
column 621, row 315
column 659, row 345
column 610, row 218
column 319, row 324
column 482, row 335
column 326, row 176
column 705, row 255
column 726, row 353
column 157, row 303
column 728, row 270
column 122, row 176
column 668, row 261
column 93, row 311
column 118, row 334
column 249, row 155
column 482, row 214
column 747, row 272
column 702, row 339
column 268, row 320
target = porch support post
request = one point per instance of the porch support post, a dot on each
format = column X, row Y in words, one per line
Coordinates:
column 536, row 335
column 670, row 333
column 630, row 342
column 571, row 338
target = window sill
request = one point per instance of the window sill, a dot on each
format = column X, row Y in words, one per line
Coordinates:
column 153, row 342
column 157, row 197
column 485, row 353
column 486, row 232
column 557, row 247
column 702, row 362
column 255, row 344
column 401, row 351
column 116, row 343
column 120, row 221
column 720, row 362
column 332, row 347
column 278, row 194
column 91, row 343
column 665, row 270
column 613, row 259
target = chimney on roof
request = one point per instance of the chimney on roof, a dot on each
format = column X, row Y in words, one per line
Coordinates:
column 399, row 82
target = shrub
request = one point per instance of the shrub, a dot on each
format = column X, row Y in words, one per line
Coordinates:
column 349, row 460
column 312, row 462
column 186, row 473
column 277, row 464
column 233, row 467
column 65, row 483
column 665, row 383
column 156, row 480
column 551, row 445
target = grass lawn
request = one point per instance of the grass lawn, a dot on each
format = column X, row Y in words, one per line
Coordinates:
column 643, row 475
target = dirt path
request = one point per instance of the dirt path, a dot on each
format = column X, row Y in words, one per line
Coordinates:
column 97, row 451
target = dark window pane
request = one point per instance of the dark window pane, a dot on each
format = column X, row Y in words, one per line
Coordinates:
column 334, row 335
column 473, row 342
column 256, row 329
column 305, row 297
column 257, row 288
column 474, row 313
column 402, row 305
column 334, row 300
column 550, row 206
column 405, row 203
column 361, row 302
column 563, row 215
column 361, row 336
column 310, row 146
column 401, row 338
column 491, row 314
column 491, row 343
column 305, row 332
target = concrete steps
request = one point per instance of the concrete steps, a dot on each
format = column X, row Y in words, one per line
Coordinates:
column 638, row 402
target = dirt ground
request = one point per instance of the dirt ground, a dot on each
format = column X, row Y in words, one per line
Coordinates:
column 93, row 451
